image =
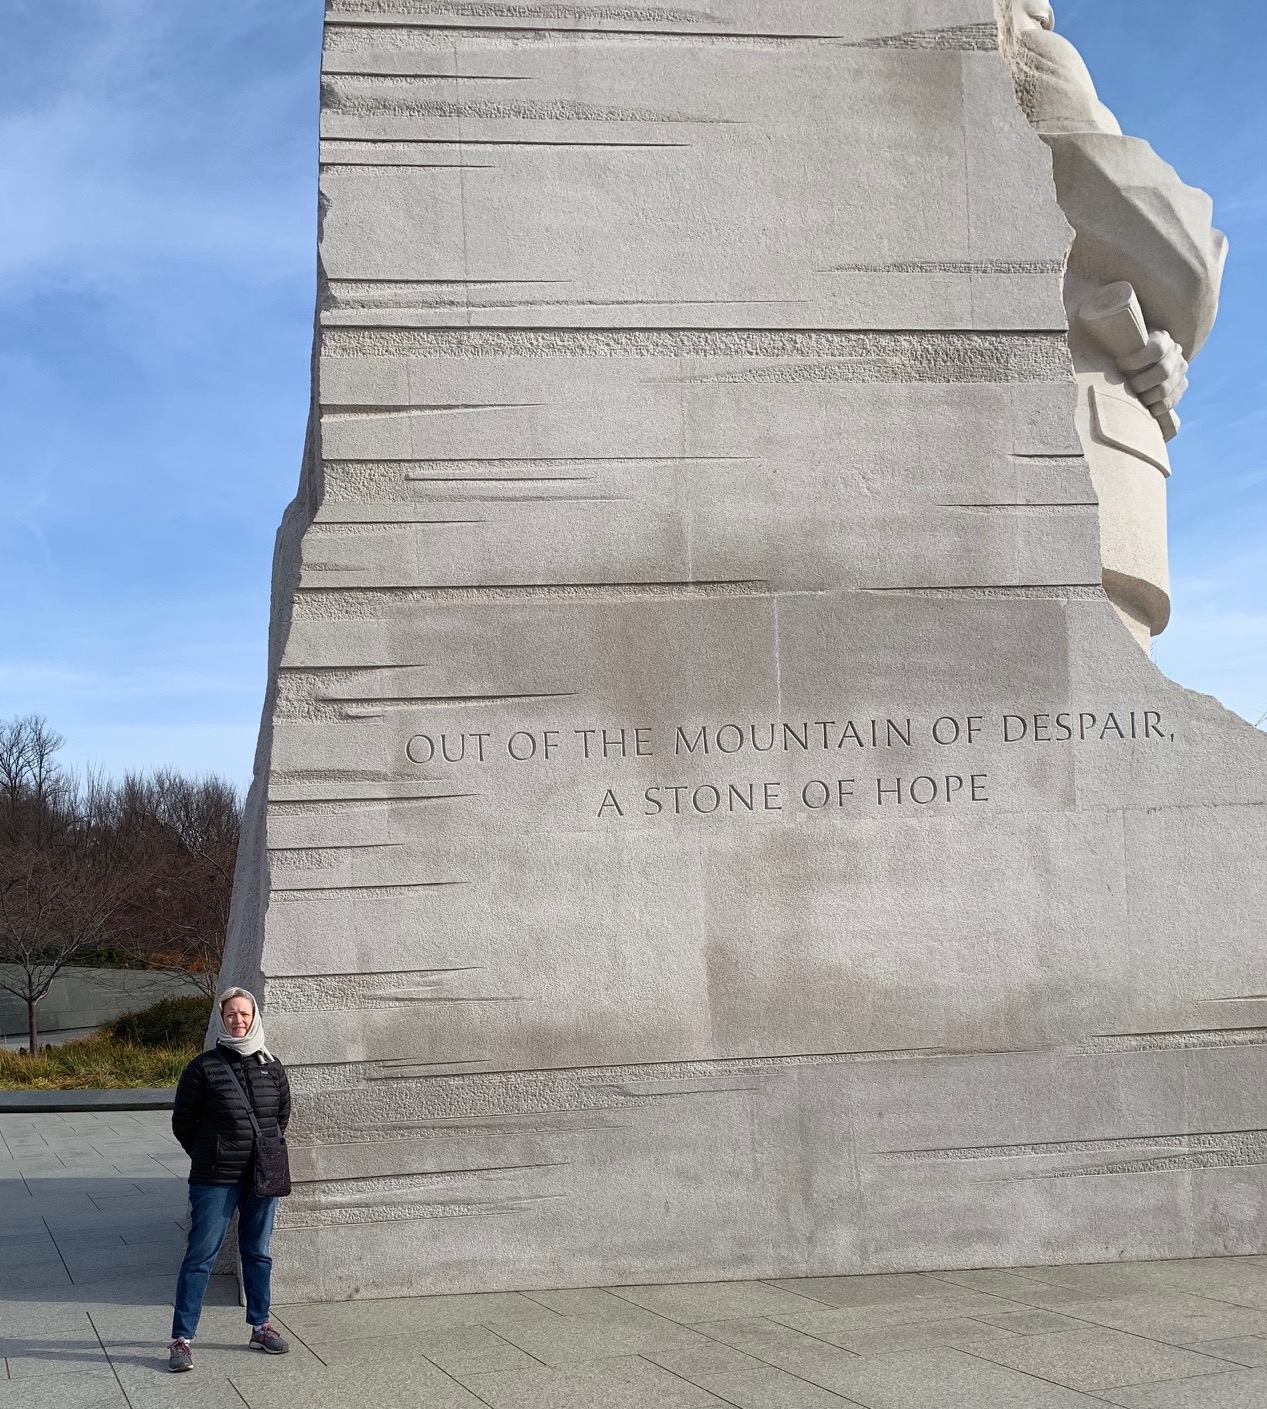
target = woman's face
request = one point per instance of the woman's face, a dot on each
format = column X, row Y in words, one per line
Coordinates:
column 238, row 1014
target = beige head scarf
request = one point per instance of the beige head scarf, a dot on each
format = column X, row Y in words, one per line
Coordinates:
column 252, row 1044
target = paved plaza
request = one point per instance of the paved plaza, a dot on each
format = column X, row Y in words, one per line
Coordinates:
column 90, row 1239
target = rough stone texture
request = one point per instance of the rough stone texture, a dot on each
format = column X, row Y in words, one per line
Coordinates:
column 709, row 821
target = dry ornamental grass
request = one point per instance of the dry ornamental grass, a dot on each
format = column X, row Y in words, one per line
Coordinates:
column 97, row 1061
column 147, row 1048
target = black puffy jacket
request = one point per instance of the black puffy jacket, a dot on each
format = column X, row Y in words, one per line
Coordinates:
column 209, row 1117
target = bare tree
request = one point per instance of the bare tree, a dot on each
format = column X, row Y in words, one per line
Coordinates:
column 181, row 836
column 36, row 796
column 143, row 866
column 52, row 907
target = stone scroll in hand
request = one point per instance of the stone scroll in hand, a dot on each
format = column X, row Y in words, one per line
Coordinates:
column 1114, row 318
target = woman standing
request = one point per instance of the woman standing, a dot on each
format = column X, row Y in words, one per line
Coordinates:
column 231, row 1099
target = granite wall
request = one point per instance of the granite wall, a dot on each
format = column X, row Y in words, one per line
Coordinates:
column 709, row 821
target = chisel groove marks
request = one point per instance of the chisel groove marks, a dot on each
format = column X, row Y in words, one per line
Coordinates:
column 335, row 102
column 333, row 993
column 391, row 1198
column 855, row 355
column 476, row 302
column 363, row 483
column 372, row 74
column 403, row 33
column 524, row 9
column 954, row 266
column 319, row 857
column 378, row 603
column 1194, row 1039
column 412, row 165
column 370, row 777
column 1152, row 1154
column 335, row 807
column 298, row 698
column 964, row 38
column 401, row 1095
column 370, row 412
column 418, row 293
column 1043, row 591
column 370, row 891
column 425, row 142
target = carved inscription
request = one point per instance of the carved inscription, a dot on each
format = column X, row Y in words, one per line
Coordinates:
column 714, row 768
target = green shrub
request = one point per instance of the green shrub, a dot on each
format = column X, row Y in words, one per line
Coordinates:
column 175, row 1022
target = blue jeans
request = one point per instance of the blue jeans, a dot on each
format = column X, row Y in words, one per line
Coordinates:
column 212, row 1207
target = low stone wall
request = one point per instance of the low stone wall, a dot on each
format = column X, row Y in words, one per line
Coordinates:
column 89, row 998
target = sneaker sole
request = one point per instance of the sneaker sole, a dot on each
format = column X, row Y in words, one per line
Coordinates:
column 179, row 1369
column 267, row 1351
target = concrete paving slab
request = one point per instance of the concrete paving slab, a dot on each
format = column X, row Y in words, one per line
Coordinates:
column 1096, row 1360
column 44, row 1355
column 155, row 1387
column 914, row 1335
column 837, row 1325
column 1243, row 1350
column 400, row 1386
column 569, row 1339
column 474, row 1349
column 623, row 1383
column 1241, row 1389
column 96, row 1389
column 780, row 1347
column 1035, row 1323
column 1174, row 1317
column 695, row 1363
column 715, row 1301
column 773, row 1389
column 863, row 1291
column 949, row 1379
column 398, row 1316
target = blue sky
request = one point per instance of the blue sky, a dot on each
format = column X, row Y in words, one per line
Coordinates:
column 157, row 213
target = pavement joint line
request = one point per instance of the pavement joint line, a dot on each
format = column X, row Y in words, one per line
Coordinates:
column 528, row 1296
column 1034, row 1375
column 651, row 1311
column 113, row 1368
column 301, row 1341
column 238, row 1392
column 458, row 1382
column 1139, row 1335
column 804, row 1379
column 50, row 1233
column 687, row 1381
column 1091, row 1394
column 804, row 1296
column 492, row 1330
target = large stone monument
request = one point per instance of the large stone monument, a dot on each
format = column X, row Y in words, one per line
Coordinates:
column 713, row 817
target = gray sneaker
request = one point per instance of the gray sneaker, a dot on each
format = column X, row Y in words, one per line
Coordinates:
column 179, row 1355
column 266, row 1339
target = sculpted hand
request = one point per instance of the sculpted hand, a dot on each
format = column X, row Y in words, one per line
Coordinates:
column 1158, row 373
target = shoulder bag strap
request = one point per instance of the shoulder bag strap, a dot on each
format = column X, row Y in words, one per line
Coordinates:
column 246, row 1095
